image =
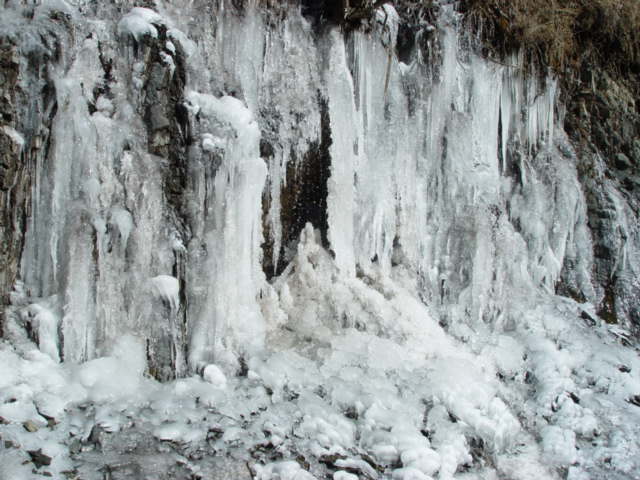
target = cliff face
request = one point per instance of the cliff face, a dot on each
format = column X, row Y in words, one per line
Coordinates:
column 340, row 228
column 594, row 52
column 28, row 106
column 604, row 121
column 141, row 65
column 138, row 183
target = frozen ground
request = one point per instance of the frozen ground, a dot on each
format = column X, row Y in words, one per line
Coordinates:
column 359, row 381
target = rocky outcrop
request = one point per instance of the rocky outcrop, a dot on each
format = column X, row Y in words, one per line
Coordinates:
column 592, row 49
column 161, row 105
column 603, row 120
column 28, row 104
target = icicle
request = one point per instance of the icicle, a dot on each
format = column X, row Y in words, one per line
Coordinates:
column 341, row 200
column 230, row 321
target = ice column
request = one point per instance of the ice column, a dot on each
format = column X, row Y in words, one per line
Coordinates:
column 230, row 323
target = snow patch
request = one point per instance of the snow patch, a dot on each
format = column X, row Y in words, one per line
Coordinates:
column 214, row 376
column 168, row 289
column 140, row 22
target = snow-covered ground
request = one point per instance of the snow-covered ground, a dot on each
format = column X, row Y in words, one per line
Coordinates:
column 358, row 381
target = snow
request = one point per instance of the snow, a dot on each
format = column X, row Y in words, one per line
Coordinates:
column 287, row 470
column 117, row 376
column 388, row 19
column 48, row 6
column 342, row 475
column 140, row 22
column 221, row 331
column 344, row 133
column 123, row 221
column 559, row 445
column 13, row 134
column 214, row 376
column 187, row 44
column 46, row 324
column 104, row 106
column 168, row 288
column 301, row 399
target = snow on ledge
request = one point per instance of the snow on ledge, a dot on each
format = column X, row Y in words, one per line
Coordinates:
column 168, row 289
column 140, row 22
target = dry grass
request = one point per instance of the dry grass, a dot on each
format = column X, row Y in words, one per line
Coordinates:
column 561, row 33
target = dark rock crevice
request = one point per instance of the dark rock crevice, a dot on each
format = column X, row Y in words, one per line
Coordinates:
column 304, row 196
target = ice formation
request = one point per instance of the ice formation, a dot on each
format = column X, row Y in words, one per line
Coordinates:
column 417, row 337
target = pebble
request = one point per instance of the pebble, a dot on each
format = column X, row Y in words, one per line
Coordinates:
column 30, row 426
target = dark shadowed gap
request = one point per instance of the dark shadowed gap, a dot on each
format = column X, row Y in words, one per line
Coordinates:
column 303, row 197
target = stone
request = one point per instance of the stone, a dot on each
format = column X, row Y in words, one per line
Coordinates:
column 636, row 151
column 75, row 447
column 158, row 119
column 160, row 139
column 38, row 458
column 30, row 426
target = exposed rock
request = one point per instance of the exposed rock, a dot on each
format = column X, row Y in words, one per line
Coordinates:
column 622, row 162
column 27, row 103
column 303, row 198
column 635, row 400
column 39, row 458
column 604, row 127
column 30, row 426
column 75, row 447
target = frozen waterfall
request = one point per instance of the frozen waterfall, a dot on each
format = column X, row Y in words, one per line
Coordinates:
column 258, row 239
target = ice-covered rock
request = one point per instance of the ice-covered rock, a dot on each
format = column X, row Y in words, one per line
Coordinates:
column 214, row 376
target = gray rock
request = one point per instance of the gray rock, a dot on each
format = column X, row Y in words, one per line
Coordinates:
column 30, row 426
column 158, row 119
column 75, row 447
column 38, row 458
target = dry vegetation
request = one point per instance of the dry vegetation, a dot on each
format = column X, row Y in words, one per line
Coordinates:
column 563, row 33
column 558, row 34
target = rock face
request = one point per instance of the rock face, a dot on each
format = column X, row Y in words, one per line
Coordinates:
column 27, row 103
column 604, row 121
column 594, row 48
column 160, row 165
